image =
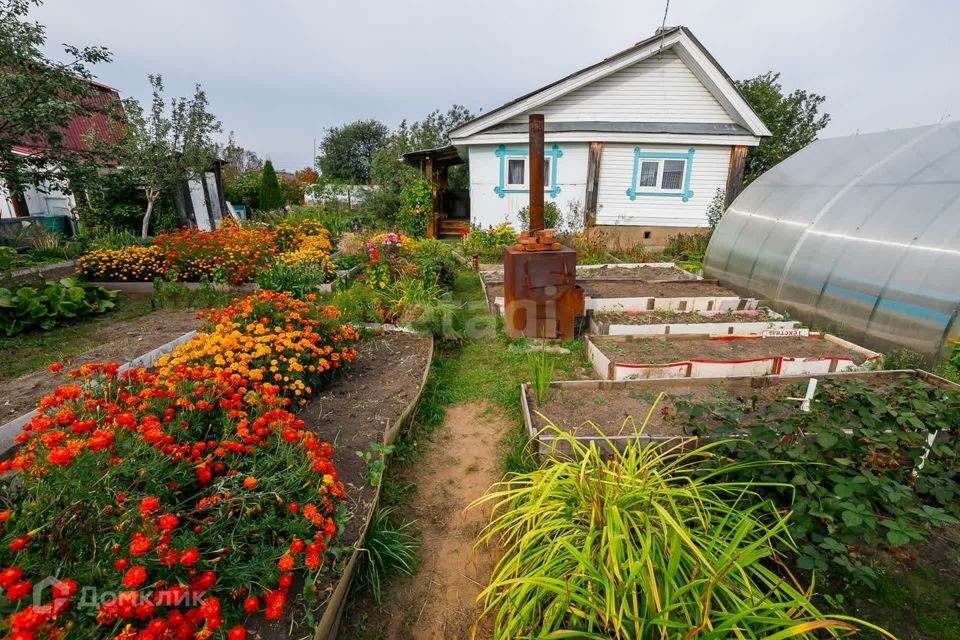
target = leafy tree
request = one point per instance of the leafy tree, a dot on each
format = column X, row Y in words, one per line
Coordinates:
column 391, row 174
column 346, row 151
column 39, row 96
column 793, row 119
column 307, row 175
column 163, row 149
column 244, row 188
column 271, row 197
column 237, row 159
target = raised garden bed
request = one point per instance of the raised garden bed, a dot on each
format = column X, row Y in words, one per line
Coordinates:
column 646, row 323
column 648, row 271
column 604, row 410
column 641, row 295
column 147, row 287
column 697, row 356
column 370, row 403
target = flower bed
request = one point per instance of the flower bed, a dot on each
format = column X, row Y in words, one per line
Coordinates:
column 185, row 496
column 232, row 254
column 637, row 323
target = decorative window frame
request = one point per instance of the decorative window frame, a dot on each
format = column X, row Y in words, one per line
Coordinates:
column 502, row 189
column 685, row 193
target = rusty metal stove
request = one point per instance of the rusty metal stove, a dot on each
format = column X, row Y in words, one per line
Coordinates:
column 540, row 293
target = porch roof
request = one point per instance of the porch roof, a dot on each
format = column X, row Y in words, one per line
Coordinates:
column 442, row 157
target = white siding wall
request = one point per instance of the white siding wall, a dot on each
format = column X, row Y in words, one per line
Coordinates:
column 487, row 208
column 708, row 173
column 653, row 90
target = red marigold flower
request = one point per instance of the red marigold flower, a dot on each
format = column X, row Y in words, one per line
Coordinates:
column 19, row 543
column 140, row 544
column 293, row 507
column 250, row 482
column 189, row 556
column 18, row 589
column 237, row 633
column 5, row 515
column 56, row 366
column 296, row 546
column 251, row 604
column 168, row 521
column 134, row 576
column 284, row 581
column 121, row 564
column 149, row 505
column 286, row 562
column 10, row 575
column 64, row 589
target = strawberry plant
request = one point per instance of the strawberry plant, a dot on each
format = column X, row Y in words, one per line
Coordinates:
column 859, row 475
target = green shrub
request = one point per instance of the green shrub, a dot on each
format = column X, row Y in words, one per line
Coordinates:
column 551, row 216
column 488, row 243
column 42, row 304
column 345, row 261
column 848, row 490
column 434, row 259
column 415, row 302
column 388, row 548
column 641, row 544
column 298, row 278
column 416, row 207
column 358, row 303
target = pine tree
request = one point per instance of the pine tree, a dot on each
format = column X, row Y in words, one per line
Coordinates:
column 271, row 197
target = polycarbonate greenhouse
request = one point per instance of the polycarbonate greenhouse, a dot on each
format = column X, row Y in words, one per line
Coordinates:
column 857, row 235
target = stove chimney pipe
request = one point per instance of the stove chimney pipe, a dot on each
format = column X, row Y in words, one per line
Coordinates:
column 536, row 171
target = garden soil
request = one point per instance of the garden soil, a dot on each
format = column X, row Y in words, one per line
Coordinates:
column 666, row 350
column 440, row 601
column 350, row 414
column 119, row 341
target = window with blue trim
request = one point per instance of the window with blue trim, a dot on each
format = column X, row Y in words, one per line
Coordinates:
column 515, row 171
column 658, row 173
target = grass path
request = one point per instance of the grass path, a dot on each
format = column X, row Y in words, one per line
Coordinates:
column 467, row 433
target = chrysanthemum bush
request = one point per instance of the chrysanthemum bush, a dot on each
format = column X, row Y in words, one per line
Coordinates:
column 175, row 502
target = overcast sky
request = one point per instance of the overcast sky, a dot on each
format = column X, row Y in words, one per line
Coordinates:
column 279, row 72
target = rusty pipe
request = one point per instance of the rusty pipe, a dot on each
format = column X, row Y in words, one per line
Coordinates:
column 536, row 171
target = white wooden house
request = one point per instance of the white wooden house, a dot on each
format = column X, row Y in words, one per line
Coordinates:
column 638, row 143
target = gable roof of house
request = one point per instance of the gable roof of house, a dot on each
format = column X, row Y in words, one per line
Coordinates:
column 97, row 123
column 693, row 53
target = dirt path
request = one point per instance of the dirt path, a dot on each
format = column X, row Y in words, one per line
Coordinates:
column 440, row 602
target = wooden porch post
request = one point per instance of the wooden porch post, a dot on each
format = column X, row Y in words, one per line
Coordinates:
column 432, row 221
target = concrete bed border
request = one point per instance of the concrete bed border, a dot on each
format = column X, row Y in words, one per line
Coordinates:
column 13, row 428
column 601, row 327
column 40, row 269
column 609, row 369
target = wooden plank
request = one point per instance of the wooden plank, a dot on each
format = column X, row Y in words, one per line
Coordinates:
column 738, row 160
column 593, row 183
